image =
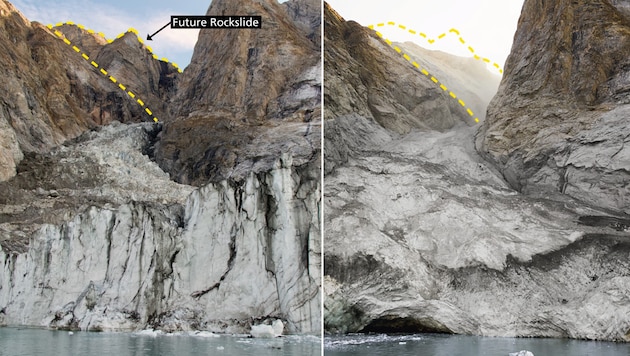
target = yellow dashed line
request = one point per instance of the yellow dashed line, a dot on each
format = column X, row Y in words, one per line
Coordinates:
column 103, row 71
column 432, row 40
column 426, row 73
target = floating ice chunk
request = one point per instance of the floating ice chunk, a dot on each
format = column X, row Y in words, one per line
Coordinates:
column 268, row 331
column 204, row 334
column 150, row 332
column 521, row 353
column 278, row 327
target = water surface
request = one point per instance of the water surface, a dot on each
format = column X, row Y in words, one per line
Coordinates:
column 460, row 345
column 32, row 342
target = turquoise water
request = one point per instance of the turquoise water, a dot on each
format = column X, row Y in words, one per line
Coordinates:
column 32, row 342
column 458, row 345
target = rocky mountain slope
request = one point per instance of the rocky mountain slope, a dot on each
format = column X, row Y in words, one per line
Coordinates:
column 51, row 94
column 562, row 125
column 384, row 89
column 424, row 235
column 255, row 102
column 95, row 234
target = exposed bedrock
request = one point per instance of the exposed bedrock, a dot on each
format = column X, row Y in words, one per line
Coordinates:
column 561, row 117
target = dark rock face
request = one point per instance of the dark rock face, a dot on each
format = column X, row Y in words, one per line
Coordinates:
column 50, row 93
column 267, row 89
column 560, row 119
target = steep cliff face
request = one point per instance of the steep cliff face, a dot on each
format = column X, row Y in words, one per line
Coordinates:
column 95, row 235
column 364, row 76
column 559, row 121
column 50, row 93
column 424, row 235
column 266, row 91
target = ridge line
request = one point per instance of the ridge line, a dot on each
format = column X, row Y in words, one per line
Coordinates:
column 428, row 75
column 102, row 71
column 440, row 37
column 131, row 29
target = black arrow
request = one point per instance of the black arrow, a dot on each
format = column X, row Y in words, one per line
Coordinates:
column 150, row 37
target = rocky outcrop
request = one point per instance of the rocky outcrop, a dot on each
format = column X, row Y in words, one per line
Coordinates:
column 266, row 91
column 50, row 93
column 558, row 120
column 424, row 235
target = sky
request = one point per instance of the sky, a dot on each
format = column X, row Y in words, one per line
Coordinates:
column 486, row 25
column 113, row 17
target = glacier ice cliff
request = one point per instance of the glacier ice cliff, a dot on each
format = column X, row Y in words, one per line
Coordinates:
column 217, row 257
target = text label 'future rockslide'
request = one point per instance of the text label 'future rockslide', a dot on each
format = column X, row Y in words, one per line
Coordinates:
column 235, row 21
